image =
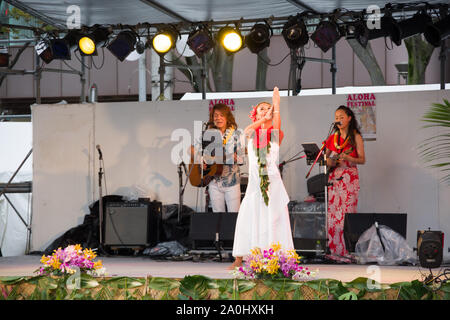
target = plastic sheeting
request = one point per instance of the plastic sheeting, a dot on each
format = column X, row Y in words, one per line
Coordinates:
column 15, row 143
column 391, row 250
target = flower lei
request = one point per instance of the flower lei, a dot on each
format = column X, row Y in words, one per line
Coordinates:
column 337, row 145
column 261, row 150
column 228, row 134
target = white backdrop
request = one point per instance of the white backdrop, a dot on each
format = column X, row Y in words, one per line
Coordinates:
column 135, row 138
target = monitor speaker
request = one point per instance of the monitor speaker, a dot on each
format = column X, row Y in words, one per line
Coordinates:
column 209, row 228
column 131, row 223
column 356, row 223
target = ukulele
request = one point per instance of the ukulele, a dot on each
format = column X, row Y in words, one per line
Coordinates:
column 335, row 156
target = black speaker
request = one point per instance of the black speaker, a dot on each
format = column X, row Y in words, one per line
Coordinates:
column 209, row 228
column 430, row 248
column 131, row 223
column 356, row 223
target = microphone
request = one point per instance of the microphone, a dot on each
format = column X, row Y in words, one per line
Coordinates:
column 337, row 123
column 99, row 151
column 184, row 167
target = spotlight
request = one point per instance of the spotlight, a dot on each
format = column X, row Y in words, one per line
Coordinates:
column 60, row 49
column 412, row 26
column 200, row 41
column 230, row 38
column 294, row 32
column 123, row 44
column 44, row 51
column 165, row 40
column 88, row 43
column 435, row 33
column 430, row 248
column 259, row 37
column 358, row 31
column 389, row 28
column 326, row 35
column 4, row 58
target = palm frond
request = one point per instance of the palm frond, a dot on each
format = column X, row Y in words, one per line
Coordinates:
column 436, row 149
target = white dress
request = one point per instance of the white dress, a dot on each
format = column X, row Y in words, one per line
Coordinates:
column 258, row 225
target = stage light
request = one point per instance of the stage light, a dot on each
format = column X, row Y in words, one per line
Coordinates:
column 88, row 43
column 294, row 32
column 326, row 35
column 60, row 49
column 230, row 38
column 411, row 26
column 430, row 248
column 123, row 44
column 259, row 37
column 435, row 33
column 4, row 58
column 200, row 41
column 358, row 31
column 44, row 51
column 389, row 28
column 165, row 40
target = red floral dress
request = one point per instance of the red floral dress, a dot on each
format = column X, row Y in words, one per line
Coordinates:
column 342, row 198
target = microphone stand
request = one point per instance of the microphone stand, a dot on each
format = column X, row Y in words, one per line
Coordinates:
column 283, row 163
column 322, row 151
column 100, row 206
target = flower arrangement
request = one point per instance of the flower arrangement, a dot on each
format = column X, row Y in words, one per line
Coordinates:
column 273, row 263
column 69, row 260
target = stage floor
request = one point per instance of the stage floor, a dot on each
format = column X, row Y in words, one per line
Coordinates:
column 142, row 266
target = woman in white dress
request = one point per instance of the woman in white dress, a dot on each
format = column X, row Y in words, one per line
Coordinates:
column 263, row 217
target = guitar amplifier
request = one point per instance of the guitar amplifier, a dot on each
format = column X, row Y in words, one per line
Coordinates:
column 131, row 223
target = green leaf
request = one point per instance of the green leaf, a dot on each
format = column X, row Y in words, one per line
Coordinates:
column 163, row 284
column 126, row 282
column 282, row 284
column 348, row 296
column 11, row 279
column 195, row 287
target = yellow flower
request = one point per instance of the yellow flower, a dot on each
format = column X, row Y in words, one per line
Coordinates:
column 255, row 251
column 98, row 264
column 77, row 248
column 273, row 266
column 44, row 259
column 276, row 246
column 89, row 254
column 293, row 254
column 55, row 263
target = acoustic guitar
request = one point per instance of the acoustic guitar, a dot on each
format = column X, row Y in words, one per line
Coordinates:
column 212, row 171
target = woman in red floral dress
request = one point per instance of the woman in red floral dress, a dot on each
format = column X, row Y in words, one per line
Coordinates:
column 344, row 149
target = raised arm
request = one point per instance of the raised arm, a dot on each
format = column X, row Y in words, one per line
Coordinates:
column 276, row 109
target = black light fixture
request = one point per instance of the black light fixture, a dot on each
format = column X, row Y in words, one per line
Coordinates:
column 124, row 44
column 294, row 32
column 435, row 33
column 259, row 37
column 359, row 31
column 165, row 39
column 326, row 35
column 44, row 50
column 412, row 26
column 60, row 49
column 200, row 41
column 231, row 39
column 430, row 248
column 4, row 58
column 88, row 43
column 388, row 28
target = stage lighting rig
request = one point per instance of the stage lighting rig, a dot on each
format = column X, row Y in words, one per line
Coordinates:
column 326, row 35
column 200, row 41
column 412, row 26
column 230, row 38
column 435, row 33
column 294, row 32
column 259, row 37
column 165, row 39
column 389, row 28
column 358, row 30
column 88, row 43
column 125, row 43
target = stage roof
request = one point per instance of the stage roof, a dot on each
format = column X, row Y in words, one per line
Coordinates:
column 133, row 12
